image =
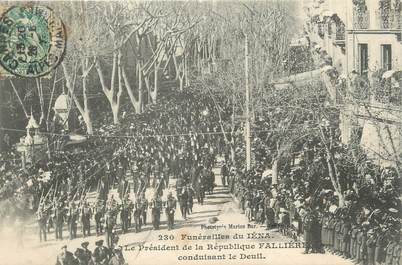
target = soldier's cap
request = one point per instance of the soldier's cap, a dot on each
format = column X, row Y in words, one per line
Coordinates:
column 64, row 246
column 99, row 242
column 85, row 244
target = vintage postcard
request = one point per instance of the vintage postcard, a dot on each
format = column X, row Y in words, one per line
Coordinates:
column 197, row 132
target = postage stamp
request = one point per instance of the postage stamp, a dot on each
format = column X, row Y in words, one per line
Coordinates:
column 32, row 40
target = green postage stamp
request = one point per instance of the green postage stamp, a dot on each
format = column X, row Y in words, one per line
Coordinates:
column 32, row 40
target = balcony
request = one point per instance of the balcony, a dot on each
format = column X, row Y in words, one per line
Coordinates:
column 361, row 19
column 389, row 19
column 338, row 35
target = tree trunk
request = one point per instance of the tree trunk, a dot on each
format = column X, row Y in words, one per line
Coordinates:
column 136, row 102
column 109, row 91
column 275, row 170
column 88, row 123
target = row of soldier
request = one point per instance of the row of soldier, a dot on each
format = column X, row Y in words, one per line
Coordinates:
column 105, row 214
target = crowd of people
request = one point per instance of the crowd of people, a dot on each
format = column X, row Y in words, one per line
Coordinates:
column 83, row 256
column 180, row 138
column 365, row 227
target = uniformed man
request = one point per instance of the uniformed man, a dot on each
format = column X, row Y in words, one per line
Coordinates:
column 224, row 174
column 190, row 202
column 137, row 215
column 99, row 217
column 331, row 233
column 389, row 253
column 346, row 231
column 84, row 255
column 338, row 235
column 42, row 220
column 101, row 254
column 125, row 213
column 363, row 246
column 307, row 227
column 324, row 229
column 110, row 222
column 183, row 201
column 86, row 215
column 72, row 218
column 381, row 243
column 171, row 205
column 371, row 242
column 65, row 257
column 353, row 242
column 396, row 254
column 359, row 242
column 143, row 208
column 59, row 216
column 156, row 207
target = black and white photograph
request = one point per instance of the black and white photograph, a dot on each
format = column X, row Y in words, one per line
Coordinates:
column 200, row 132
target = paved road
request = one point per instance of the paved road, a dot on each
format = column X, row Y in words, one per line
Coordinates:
column 267, row 247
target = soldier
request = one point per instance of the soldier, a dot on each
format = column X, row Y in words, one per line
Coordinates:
column 396, row 254
column 389, row 254
column 42, row 220
column 171, row 205
column 156, row 207
column 224, row 174
column 65, row 257
column 363, row 246
column 324, row 229
column 269, row 213
column 359, row 242
column 143, row 208
column 183, row 201
column 371, row 242
column 337, row 235
column 353, row 245
column 59, row 220
column 110, row 222
column 379, row 255
column 190, row 199
column 137, row 215
column 346, row 231
column 72, row 220
column 99, row 213
column 331, row 233
column 86, row 215
column 101, row 254
column 125, row 213
column 201, row 188
column 84, row 255
column 307, row 227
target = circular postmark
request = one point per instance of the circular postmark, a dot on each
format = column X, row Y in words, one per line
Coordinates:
column 32, row 40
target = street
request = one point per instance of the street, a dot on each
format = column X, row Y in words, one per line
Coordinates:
column 257, row 244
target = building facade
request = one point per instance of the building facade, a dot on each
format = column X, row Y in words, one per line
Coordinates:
column 363, row 39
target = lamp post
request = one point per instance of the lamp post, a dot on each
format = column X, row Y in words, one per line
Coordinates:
column 247, row 125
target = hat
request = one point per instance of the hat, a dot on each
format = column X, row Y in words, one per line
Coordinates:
column 85, row 244
column 64, row 246
column 99, row 242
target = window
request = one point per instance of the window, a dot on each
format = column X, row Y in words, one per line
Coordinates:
column 363, row 59
column 386, row 56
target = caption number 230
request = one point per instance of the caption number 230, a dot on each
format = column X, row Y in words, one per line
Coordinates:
column 166, row 237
